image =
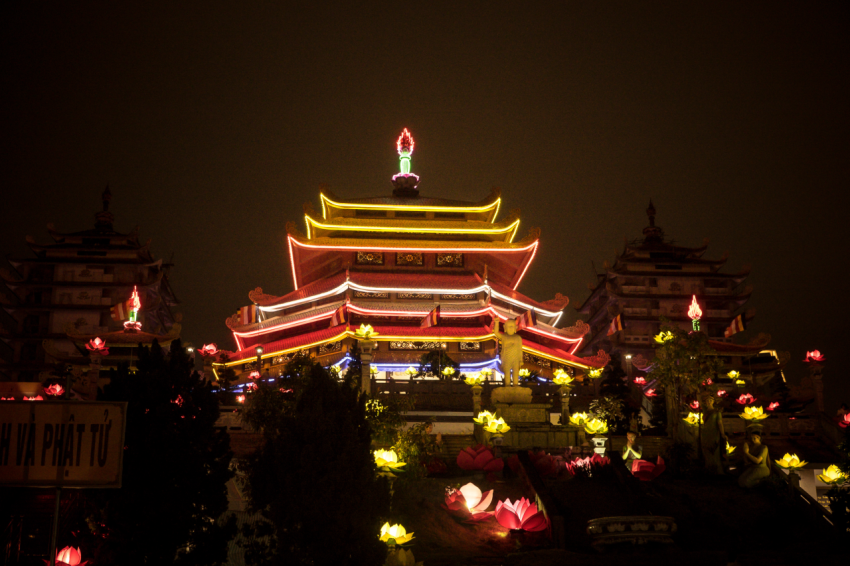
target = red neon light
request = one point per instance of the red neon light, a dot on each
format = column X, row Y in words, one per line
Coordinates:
column 404, row 144
column 534, row 253
column 137, row 304
column 694, row 312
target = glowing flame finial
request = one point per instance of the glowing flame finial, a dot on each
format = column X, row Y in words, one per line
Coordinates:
column 405, row 149
column 132, row 324
column 695, row 313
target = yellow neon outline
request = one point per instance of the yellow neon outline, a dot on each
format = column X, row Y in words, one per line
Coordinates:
column 286, row 350
column 513, row 226
column 555, row 358
column 496, row 204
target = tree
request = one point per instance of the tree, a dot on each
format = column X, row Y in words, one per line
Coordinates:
column 176, row 465
column 435, row 361
column 314, row 479
column 615, row 386
column 683, row 360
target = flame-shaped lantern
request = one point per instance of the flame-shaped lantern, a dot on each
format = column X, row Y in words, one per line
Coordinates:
column 133, row 324
column 405, row 149
column 695, row 313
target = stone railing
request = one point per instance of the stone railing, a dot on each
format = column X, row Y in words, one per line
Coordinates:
column 778, row 425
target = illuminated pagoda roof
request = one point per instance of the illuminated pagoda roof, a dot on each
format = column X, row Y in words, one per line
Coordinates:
column 388, row 262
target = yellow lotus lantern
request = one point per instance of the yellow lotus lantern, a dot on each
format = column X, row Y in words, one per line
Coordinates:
column 365, row 332
column 578, row 419
column 594, row 373
column 387, row 460
column 694, row 419
column 484, row 417
column 524, row 372
column 395, row 534
column 474, row 380
column 663, row 337
column 595, row 426
column 562, row 378
column 740, row 382
column 497, row 426
column 832, row 475
column 411, row 371
column 753, row 414
column 734, row 374
column 448, row 371
column 790, row 462
column 487, row 373
column 373, row 370
column 730, row 449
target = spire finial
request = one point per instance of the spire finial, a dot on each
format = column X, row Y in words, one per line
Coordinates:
column 651, row 213
column 405, row 182
column 652, row 233
column 106, row 197
column 104, row 218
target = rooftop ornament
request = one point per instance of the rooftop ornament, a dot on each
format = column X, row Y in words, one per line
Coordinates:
column 405, row 182
column 97, row 346
column 814, row 356
column 395, row 535
column 133, row 325
column 790, row 462
column 578, row 419
column 753, row 414
column 833, row 476
column 694, row 419
column 520, row 515
column 663, row 337
column 695, row 313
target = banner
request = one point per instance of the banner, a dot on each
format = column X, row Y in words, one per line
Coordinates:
column 432, row 319
column 61, row 443
column 616, row 325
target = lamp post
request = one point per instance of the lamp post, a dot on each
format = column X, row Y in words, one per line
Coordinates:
column 366, row 349
column 259, row 351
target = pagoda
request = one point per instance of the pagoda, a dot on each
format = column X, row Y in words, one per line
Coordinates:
column 75, row 290
column 426, row 274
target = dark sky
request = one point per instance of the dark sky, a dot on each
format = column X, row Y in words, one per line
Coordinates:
column 213, row 123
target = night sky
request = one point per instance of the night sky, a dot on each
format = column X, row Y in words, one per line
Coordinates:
column 212, row 124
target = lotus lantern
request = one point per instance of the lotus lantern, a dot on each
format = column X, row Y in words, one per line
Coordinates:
column 694, row 419
column 208, row 350
column 365, row 332
column 240, row 398
column 520, row 515
column 721, row 393
column 411, row 371
column 773, row 406
column 484, row 417
column 640, row 380
column 373, row 370
column 664, row 337
column 395, row 534
column 97, row 346
column 790, row 462
column 469, row 500
column 524, row 372
column 814, row 356
column 35, row 398
column 387, row 460
column 254, row 375
column 578, row 419
column 69, row 556
column 487, row 373
column 562, row 378
column 55, row 390
column 596, row 426
column 734, row 374
column 753, row 414
column 694, row 405
column 740, row 382
column 730, row 449
column 474, row 380
column 497, row 426
column 845, row 421
column 479, row 457
column 594, row 373
column 650, row 393
column 448, row 371
column 745, row 399
column 833, row 476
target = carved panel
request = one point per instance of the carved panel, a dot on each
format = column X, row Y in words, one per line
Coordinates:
column 370, row 258
column 470, row 346
column 464, row 297
column 531, row 359
column 330, row 348
column 286, row 358
column 365, row 295
column 423, row 296
column 408, row 258
column 450, row 260
column 408, row 345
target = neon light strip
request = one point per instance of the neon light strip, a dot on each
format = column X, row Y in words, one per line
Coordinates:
column 423, row 230
column 353, row 206
column 339, row 336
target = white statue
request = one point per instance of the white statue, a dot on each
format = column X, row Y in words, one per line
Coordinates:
column 511, row 351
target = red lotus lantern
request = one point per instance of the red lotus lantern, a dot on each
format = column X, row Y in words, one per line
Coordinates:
column 469, row 502
column 590, row 463
column 178, row 401
column 254, row 375
column 250, row 387
column 695, row 313
column 97, row 346
column 240, row 399
column 773, row 406
column 845, row 421
column 479, row 458
column 694, row 405
column 520, row 515
column 208, row 350
column 640, row 380
column 745, row 399
column 814, row 356
column 721, row 393
column 645, row 470
column 55, row 389
column 36, row 398
column 69, row 556
column 650, row 393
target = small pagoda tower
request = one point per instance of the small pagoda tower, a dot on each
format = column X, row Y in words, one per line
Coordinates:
column 426, row 274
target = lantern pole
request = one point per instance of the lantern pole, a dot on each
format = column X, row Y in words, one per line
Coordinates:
column 51, row 553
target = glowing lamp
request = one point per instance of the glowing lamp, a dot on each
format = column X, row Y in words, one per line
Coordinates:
column 773, row 406
column 208, row 350
column 240, row 399
column 640, row 380
column 740, row 382
column 365, row 332
column 254, row 375
column 695, row 313
column 745, row 399
column 404, row 145
column 395, row 534
column 411, row 371
column 694, row 419
column 694, row 405
column 55, row 390
column 484, row 417
column 562, row 378
column 250, row 387
column 474, row 380
column 487, row 373
column 734, row 374
column 790, row 462
column 730, row 449
column 469, row 500
column 663, row 337
column 594, row 373
column 524, row 373
column 97, row 346
column 596, row 426
column 387, row 460
column 753, row 414
column 520, row 515
column 497, row 426
column 373, row 370
column 833, row 476
column 721, row 393
column 133, row 323
column 650, row 393
column 845, row 421
column 578, row 419
column 448, row 371
column 814, row 356
column 69, row 556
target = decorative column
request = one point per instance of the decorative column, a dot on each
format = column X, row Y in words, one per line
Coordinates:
column 366, row 349
column 565, row 391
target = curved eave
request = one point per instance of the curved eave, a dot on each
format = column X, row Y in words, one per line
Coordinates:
column 495, row 232
column 489, row 206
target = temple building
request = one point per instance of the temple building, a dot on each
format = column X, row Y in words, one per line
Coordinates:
column 76, row 289
column 427, row 274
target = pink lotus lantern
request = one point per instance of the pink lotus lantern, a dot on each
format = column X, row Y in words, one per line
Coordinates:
column 240, row 398
column 645, row 470
column 590, row 463
column 7, row 398
column 178, row 401
column 479, row 458
column 845, row 421
column 814, row 356
column 694, row 405
column 36, row 398
column 650, row 393
column 721, row 393
column 208, row 350
column 773, row 406
column 69, row 556
column 97, row 346
column 468, row 501
column 745, row 399
column 520, row 515
column 640, row 380
column 55, row 389
column 250, row 387
column 254, row 375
